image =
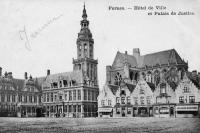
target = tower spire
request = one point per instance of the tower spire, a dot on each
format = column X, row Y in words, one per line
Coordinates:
column 84, row 16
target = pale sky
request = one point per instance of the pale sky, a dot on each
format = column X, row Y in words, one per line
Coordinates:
column 55, row 44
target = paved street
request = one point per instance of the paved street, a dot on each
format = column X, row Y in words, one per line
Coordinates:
column 160, row 125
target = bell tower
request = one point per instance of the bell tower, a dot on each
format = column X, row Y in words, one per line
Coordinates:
column 85, row 53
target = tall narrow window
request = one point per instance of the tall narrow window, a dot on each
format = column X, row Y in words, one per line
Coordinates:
column 30, row 98
column 47, row 97
column 51, row 97
column 128, row 100
column 8, row 98
column 118, row 79
column 109, row 102
column 181, row 100
column 122, row 100
column 13, row 97
column 65, row 96
column 117, row 100
column 85, row 94
column 35, row 99
column 70, row 95
column 2, row 98
column 79, row 94
column 74, row 94
column 163, row 88
column 103, row 102
column 191, row 99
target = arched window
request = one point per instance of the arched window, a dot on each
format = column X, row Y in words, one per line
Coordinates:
column 148, row 77
column 118, row 78
column 156, row 77
column 131, row 75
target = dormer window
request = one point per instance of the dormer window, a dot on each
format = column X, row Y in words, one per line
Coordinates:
column 65, row 83
column 60, row 84
column 55, row 85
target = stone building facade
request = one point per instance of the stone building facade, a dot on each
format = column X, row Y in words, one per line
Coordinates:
column 74, row 94
column 20, row 97
column 155, row 79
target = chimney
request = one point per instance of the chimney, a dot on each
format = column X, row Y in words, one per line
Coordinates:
column 48, row 72
column 6, row 75
column 25, row 75
column 108, row 74
column 0, row 71
column 10, row 75
column 194, row 73
column 136, row 53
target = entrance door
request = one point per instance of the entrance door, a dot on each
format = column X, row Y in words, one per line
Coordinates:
column 142, row 111
column 171, row 111
column 38, row 112
column 123, row 112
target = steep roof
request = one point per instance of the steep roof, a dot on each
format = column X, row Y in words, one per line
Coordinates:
column 113, row 88
column 195, row 80
column 74, row 75
column 153, row 59
column 172, row 84
column 131, row 87
column 151, row 85
column 18, row 84
column 120, row 59
column 162, row 57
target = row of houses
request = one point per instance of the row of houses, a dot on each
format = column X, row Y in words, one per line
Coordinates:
column 143, row 100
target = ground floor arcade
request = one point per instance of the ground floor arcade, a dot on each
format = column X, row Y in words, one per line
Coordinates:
column 76, row 110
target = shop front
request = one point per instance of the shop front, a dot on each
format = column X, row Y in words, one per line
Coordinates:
column 164, row 110
column 187, row 110
column 142, row 111
column 105, row 112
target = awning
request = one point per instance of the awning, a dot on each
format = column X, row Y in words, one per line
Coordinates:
column 104, row 109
